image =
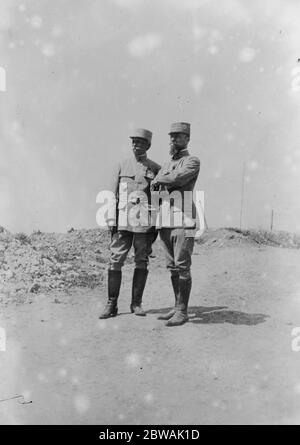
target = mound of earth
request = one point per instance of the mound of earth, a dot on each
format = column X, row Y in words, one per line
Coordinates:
column 43, row 262
column 233, row 236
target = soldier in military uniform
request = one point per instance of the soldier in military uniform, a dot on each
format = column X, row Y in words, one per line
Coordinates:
column 180, row 174
column 134, row 175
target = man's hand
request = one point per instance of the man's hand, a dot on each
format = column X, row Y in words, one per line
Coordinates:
column 112, row 229
column 111, row 226
column 154, row 187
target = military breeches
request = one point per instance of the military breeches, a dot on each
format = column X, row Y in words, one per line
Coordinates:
column 178, row 250
column 121, row 243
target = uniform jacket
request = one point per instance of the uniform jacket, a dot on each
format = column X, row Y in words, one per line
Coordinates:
column 134, row 177
column 181, row 174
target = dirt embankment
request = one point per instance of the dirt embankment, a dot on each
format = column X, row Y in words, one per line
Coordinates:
column 232, row 236
column 45, row 262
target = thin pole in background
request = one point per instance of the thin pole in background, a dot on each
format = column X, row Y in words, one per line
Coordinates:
column 272, row 219
column 242, row 195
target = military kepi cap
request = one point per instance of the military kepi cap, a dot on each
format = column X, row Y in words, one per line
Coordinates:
column 142, row 133
column 181, row 127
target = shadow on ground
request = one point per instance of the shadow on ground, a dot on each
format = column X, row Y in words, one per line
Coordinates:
column 218, row 314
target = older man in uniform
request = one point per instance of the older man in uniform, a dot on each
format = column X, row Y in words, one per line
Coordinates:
column 179, row 174
column 134, row 175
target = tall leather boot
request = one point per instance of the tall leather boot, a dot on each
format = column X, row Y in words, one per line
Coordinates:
column 138, row 286
column 113, row 284
column 175, row 284
column 181, row 316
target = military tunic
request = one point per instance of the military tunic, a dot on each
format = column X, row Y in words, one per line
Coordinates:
column 130, row 183
column 180, row 174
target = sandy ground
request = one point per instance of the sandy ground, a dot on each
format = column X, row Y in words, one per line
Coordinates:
column 231, row 363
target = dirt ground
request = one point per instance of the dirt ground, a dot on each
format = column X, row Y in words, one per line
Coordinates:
column 232, row 363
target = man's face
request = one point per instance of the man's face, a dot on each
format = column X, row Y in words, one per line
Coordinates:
column 179, row 141
column 139, row 146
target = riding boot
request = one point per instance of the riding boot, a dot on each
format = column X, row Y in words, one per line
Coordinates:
column 181, row 316
column 114, row 284
column 138, row 286
column 175, row 284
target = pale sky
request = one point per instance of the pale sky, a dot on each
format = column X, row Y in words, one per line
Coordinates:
column 80, row 74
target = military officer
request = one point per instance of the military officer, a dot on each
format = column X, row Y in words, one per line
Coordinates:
column 133, row 176
column 179, row 174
